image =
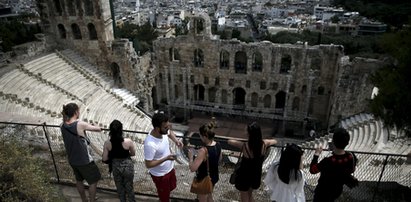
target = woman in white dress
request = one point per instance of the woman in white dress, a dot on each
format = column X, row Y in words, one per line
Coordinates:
column 284, row 179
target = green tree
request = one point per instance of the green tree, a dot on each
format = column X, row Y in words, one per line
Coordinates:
column 141, row 36
column 392, row 104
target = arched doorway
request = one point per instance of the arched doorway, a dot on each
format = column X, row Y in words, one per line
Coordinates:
column 199, row 92
column 280, row 100
column 115, row 71
column 154, row 97
column 239, row 96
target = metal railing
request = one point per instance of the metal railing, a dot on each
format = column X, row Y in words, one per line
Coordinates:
column 383, row 176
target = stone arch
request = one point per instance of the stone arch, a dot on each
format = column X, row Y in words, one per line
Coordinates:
column 212, row 92
column 154, row 97
column 240, row 62
column 285, row 64
column 224, row 96
column 76, row 31
column 71, row 8
column 280, row 100
column 88, row 7
column 199, row 92
column 296, row 104
column 115, row 72
column 92, row 33
column 320, row 90
column 198, row 58
column 79, row 7
column 267, row 101
column 173, row 54
column 254, row 100
column 62, row 31
column 257, row 62
column 239, row 96
column 57, row 6
column 304, row 89
column 176, row 91
column 224, row 59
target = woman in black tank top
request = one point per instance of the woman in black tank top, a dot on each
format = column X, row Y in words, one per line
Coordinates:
column 250, row 171
column 211, row 152
column 119, row 150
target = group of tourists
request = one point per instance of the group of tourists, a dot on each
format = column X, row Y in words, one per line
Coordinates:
column 284, row 178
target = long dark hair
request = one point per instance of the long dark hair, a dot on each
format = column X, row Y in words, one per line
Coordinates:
column 255, row 139
column 116, row 132
column 290, row 163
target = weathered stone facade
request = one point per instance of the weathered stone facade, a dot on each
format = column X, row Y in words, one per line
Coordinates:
column 285, row 82
column 86, row 26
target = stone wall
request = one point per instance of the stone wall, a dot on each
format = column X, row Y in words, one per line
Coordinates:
column 354, row 88
column 30, row 49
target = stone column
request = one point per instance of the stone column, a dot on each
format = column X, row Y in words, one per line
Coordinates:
column 166, row 83
column 185, row 96
column 309, row 86
column 286, row 106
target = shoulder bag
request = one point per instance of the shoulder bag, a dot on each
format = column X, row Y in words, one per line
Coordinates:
column 203, row 186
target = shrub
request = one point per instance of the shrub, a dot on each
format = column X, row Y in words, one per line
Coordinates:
column 22, row 176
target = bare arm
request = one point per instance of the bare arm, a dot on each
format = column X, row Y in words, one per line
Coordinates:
column 132, row 147
column 154, row 163
column 106, row 146
column 82, row 126
column 173, row 137
column 269, row 142
column 236, row 143
column 194, row 164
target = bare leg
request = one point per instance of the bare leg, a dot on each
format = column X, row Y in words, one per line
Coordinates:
column 81, row 191
column 244, row 196
column 210, row 198
column 250, row 195
column 92, row 192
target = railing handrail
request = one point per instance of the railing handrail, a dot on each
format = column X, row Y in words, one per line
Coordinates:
column 221, row 138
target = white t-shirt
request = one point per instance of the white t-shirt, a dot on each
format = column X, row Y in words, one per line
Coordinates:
column 158, row 148
column 282, row 192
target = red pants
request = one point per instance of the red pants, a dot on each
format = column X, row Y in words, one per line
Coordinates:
column 165, row 184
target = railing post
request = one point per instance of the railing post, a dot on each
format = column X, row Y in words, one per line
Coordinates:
column 379, row 179
column 51, row 152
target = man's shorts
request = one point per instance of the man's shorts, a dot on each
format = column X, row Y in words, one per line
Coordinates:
column 89, row 172
column 165, row 184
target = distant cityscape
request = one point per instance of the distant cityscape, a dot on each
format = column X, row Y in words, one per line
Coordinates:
column 253, row 19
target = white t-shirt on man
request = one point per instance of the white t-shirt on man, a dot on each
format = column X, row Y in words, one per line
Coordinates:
column 155, row 149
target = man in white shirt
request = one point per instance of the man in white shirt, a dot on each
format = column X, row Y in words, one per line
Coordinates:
column 158, row 157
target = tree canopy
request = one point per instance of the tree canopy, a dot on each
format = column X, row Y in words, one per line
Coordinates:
column 392, row 104
column 141, row 36
column 16, row 32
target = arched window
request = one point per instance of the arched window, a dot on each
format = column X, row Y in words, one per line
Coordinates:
column 71, row 8
column 199, row 92
column 254, row 100
column 173, row 54
column 224, row 59
column 199, row 25
column 240, row 62
column 212, row 94
column 320, row 90
column 198, row 58
column 224, row 96
column 88, row 7
column 285, row 64
column 267, row 101
column 92, row 31
column 257, row 62
column 296, row 104
column 57, row 6
column 304, row 89
column 76, row 31
column 62, row 31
